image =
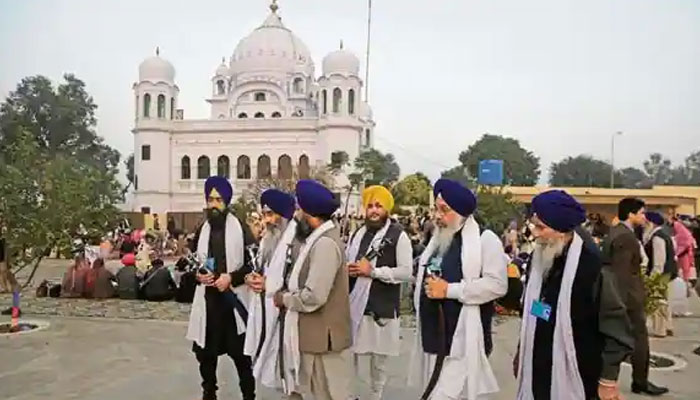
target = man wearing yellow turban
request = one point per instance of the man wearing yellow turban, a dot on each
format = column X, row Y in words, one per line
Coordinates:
column 380, row 257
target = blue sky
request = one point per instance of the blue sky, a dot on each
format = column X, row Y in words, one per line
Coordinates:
column 559, row 75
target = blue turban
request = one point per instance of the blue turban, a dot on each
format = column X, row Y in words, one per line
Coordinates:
column 315, row 199
column 458, row 197
column 221, row 185
column 558, row 210
column 279, row 202
column 655, row 218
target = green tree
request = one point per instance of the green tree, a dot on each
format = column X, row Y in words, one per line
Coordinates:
column 633, row 178
column 496, row 208
column 57, row 177
column 692, row 168
column 377, row 168
column 412, row 190
column 520, row 166
column 580, row 171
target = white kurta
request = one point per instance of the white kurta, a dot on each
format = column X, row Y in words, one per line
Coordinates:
column 385, row 340
column 466, row 371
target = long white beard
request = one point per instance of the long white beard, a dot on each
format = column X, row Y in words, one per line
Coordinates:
column 549, row 250
column 270, row 239
column 445, row 234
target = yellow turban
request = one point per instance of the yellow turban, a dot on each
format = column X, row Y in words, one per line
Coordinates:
column 379, row 194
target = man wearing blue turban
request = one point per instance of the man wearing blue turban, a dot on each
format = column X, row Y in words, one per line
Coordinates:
column 218, row 316
column 262, row 338
column 316, row 326
column 574, row 332
column 461, row 269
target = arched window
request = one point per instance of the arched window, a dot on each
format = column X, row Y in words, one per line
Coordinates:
column 298, row 85
column 223, row 167
column 367, row 137
column 259, row 115
column 161, row 106
column 172, row 108
column 220, row 87
column 351, row 101
column 243, row 167
column 242, row 115
column 185, row 172
column 203, row 169
column 304, row 170
column 324, row 101
column 276, row 115
column 264, row 169
column 337, row 97
column 146, row 105
column 284, row 167
column 260, row 96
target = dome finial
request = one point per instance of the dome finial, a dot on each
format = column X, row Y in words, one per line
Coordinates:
column 157, row 50
column 223, row 60
column 341, row 44
column 274, row 7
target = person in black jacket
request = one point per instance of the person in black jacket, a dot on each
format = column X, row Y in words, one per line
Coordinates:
column 158, row 283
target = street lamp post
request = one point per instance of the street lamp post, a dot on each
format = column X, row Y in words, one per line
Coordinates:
column 612, row 158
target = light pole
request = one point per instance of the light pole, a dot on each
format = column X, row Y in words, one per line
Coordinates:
column 612, row 159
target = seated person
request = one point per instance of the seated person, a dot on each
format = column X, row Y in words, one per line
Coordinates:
column 158, row 284
column 128, row 278
column 73, row 284
column 99, row 281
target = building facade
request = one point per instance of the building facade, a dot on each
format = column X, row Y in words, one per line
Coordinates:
column 271, row 116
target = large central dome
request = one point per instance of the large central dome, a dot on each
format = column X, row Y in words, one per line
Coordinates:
column 272, row 48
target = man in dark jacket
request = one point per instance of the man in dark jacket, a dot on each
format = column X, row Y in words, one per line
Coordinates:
column 158, row 283
column 128, row 279
column 622, row 251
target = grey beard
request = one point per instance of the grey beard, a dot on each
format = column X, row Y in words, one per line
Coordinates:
column 444, row 236
column 549, row 250
column 270, row 240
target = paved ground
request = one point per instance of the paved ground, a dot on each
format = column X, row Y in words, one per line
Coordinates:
column 114, row 359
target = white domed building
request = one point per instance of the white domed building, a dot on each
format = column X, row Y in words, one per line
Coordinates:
column 271, row 116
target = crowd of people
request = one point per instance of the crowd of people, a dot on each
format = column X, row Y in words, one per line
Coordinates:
column 299, row 296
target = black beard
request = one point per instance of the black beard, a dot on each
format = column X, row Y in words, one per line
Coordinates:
column 375, row 225
column 216, row 217
column 303, row 229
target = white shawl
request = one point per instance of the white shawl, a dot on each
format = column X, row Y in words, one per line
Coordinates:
column 265, row 366
column 291, row 321
column 566, row 379
column 255, row 323
column 197, row 328
column 360, row 292
column 468, row 342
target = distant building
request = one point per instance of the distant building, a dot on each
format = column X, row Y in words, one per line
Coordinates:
column 270, row 116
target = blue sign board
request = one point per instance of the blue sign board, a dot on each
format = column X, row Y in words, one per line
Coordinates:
column 491, row 172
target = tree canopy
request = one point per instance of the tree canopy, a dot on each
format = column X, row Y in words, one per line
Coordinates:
column 520, row 166
column 57, row 177
column 580, row 171
column 377, row 168
column 413, row 190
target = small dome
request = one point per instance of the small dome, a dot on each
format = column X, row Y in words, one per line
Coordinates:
column 156, row 69
column 341, row 61
column 222, row 70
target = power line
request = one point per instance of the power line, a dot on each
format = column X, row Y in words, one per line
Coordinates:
column 415, row 153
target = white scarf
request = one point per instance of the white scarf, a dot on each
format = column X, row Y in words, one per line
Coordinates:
column 363, row 284
column 468, row 339
column 265, row 366
column 566, row 379
column 197, row 328
column 291, row 321
column 255, row 324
